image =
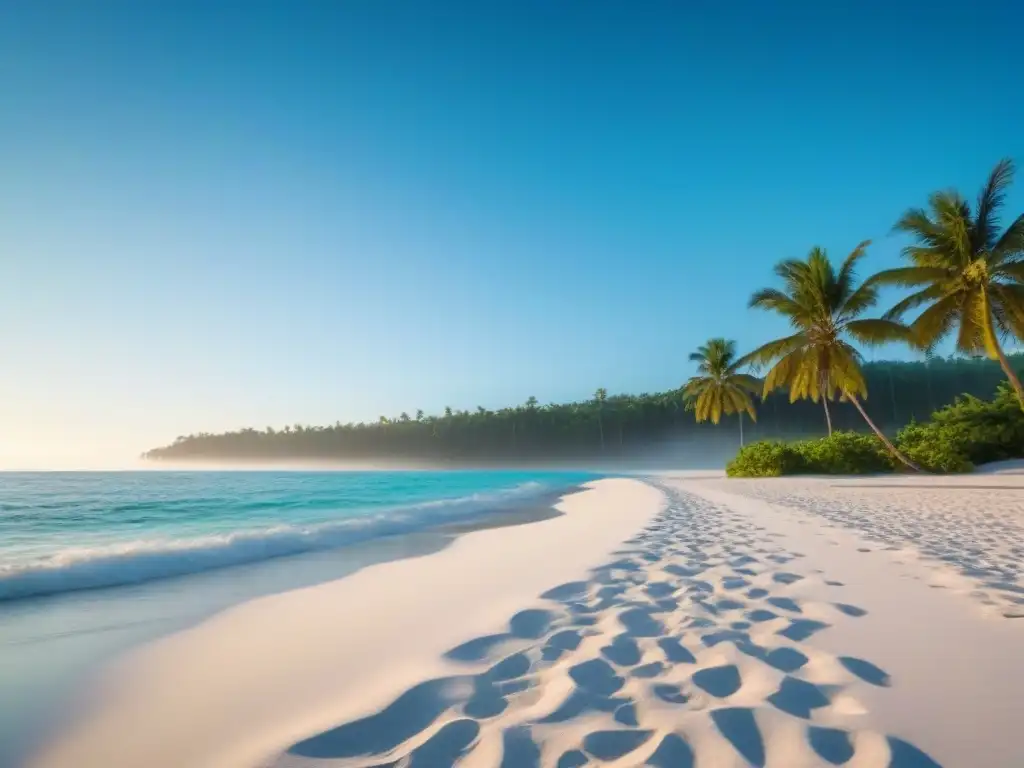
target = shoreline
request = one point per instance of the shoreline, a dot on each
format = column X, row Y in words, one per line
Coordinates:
column 85, row 630
column 283, row 659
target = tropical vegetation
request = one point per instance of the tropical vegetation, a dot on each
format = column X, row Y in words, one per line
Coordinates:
column 959, row 436
column 719, row 386
column 824, row 307
column 967, row 274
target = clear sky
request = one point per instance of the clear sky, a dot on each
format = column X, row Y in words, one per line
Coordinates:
column 215, row 215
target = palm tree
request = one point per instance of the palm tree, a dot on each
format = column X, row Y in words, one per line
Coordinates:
column 600, row 397
column 823, row 307
column 719, row 387
column 968, row 275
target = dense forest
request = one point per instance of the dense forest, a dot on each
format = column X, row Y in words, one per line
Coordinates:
column 605, row 427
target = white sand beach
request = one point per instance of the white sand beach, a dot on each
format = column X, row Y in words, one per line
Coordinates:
column 675, row 620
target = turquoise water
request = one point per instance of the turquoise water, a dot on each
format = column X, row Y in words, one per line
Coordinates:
column 94, row 564
column 62, row 532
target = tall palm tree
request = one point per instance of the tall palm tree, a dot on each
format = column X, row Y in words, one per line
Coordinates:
column 600, row 397
column 823, row 307
column 967, row 275
column 719, row 387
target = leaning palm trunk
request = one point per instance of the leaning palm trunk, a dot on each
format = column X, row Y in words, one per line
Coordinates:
column 1011, row 375
column 888, row 443
column 824, row 402
column 1004, row 363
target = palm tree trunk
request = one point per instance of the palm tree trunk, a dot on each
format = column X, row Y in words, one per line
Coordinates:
column 741, row 429
column 1004, row 363
column 828, row 416
column 824, row 401
column 992, row 342
column 888, row 444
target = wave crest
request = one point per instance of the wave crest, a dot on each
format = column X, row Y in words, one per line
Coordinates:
column 150, row 559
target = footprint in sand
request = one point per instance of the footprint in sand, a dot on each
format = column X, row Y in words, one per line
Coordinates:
column 684, row 619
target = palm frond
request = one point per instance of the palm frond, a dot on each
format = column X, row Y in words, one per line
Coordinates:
column 862, row 298
column 954, row 216
column 973, row 317
column 846, row 370
column 1009, row 299
column 773, row 350
column 913, row 301
column 848, row 271
column 1011, row 244
column 876, row 332
column 695, row 386
column 740, row 402
column 908, row 277
column 936, row 321
column 782, row 372
column 990, row 200
column 748, row 383
column 776, row 301
column 918, row 223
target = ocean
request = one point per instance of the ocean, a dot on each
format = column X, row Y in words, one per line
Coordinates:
column 94, row 563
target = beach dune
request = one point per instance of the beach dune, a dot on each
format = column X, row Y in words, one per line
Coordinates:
column 675, row 621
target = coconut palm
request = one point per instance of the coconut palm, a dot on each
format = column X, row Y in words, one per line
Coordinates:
column 719, row 387
column 823, row 307
column 600, row 398
column 968, row 275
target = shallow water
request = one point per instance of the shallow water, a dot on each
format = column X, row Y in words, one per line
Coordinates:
column 65, row 531
column 92, row 564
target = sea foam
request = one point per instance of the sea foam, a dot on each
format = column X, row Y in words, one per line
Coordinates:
column 131, row 562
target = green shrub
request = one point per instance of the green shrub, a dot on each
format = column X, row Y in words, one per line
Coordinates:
column 933, row 450
column 766, row 458
column 970, row 431
column 845, row 453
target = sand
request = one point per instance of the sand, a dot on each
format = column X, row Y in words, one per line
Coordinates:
column 264, row 674
column 685, row 620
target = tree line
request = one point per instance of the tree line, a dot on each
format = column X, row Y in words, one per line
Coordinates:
column 605, row 426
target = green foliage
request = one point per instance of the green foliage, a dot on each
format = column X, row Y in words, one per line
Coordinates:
column 766, row 458
column 824, row 305
column 719, row 388
column 970, row 431
column 932, row 450
column 968, row 276
column 842, row 453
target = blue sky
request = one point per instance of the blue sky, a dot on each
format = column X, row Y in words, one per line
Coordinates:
column 227, row 214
